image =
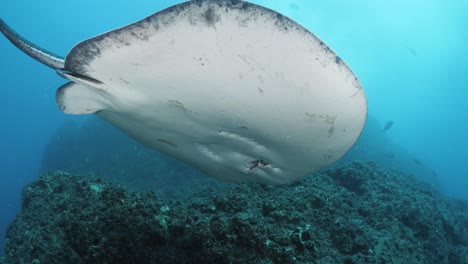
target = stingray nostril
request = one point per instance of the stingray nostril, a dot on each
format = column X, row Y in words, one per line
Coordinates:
column 257, row 163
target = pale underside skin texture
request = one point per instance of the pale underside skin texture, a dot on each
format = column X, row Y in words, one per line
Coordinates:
column 234, row 89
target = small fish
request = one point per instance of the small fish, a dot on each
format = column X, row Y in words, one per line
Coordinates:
column 388, row 125
column 412, row 51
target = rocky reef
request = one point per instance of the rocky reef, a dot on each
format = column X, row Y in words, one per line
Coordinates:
column 351, row 213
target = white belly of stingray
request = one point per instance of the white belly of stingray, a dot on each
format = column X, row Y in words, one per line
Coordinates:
column 236, row 90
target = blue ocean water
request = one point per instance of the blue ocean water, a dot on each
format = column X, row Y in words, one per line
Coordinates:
column 410, row 56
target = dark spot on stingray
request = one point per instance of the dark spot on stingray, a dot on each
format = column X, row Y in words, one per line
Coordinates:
column 155, row 23
column 243, row 23
column 138, row 33
column 152, row 22
column 238, row 4
column 123, row 80
column 283, row 23
column 260, row 78
column 324, row 47
column 167, row 142
column 331, row 130
column 177, row 104
column 210, row 16
column 257, row 163
column 279, row 17
column 356, row 82
column 338, row 60
column 235, row 2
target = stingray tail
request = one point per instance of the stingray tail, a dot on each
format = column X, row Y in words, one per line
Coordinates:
column 41, row 55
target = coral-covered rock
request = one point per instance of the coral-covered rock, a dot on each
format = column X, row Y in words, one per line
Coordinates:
column 354, row 213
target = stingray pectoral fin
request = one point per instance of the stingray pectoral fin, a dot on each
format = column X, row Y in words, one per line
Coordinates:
column 75, row 98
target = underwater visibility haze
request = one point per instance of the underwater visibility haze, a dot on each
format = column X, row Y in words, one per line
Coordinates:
column 409, row 57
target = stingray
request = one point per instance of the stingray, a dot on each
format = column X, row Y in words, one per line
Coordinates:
column 235, row 89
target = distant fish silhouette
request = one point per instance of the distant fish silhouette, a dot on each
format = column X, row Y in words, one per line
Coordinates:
column 388, row 125
column 412, row 51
